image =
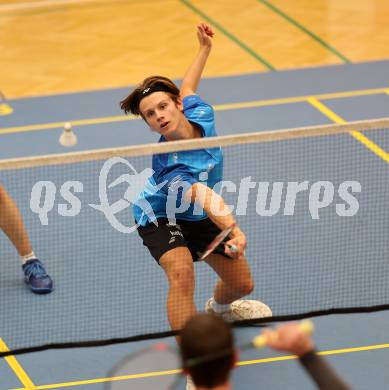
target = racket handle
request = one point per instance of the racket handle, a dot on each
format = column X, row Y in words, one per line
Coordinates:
column 305, row 326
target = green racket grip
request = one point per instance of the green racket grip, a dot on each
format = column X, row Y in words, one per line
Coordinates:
column 232, row 248
column 305, row 326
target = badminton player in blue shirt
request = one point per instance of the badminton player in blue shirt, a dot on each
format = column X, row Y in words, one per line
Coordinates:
column 175, row 243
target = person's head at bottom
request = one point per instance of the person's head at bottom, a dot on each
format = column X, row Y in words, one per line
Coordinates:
column 207, row 350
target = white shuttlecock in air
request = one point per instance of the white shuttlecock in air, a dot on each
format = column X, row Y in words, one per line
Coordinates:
column 68, row 138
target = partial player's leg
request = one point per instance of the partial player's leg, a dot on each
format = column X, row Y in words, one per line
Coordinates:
column 167, row 244
column 11, row 223
column 235, row 278
column 178, row 266
column 235, row 282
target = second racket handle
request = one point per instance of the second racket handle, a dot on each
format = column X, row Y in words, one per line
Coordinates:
column 232, row 248
column 306, row 326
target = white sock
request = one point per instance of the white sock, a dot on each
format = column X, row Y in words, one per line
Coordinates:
column 218, row 307
column 25, row 258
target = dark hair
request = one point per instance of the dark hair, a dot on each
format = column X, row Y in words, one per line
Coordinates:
column 207, row 349
column 148, row 86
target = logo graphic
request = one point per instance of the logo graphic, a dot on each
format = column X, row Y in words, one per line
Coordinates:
column 136, row 184
column 267, row 200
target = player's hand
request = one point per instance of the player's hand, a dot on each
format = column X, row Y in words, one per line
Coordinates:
column 289, row 338
column 236, row 246
column 205, row 35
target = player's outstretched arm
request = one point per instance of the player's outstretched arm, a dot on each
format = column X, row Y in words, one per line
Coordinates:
column 291, row 338
column 192, row 76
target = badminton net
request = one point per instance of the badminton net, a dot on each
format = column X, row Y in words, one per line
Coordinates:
column 312, row 202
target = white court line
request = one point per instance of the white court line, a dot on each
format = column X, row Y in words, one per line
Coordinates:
column 42, row 4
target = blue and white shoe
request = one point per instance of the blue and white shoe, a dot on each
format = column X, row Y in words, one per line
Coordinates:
column 36, row 277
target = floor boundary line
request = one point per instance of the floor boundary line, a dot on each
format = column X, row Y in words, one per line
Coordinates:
column 242, row 363
column 217, row 107
column 16, row 367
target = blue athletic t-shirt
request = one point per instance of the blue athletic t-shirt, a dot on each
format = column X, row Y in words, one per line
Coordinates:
column 171, row 170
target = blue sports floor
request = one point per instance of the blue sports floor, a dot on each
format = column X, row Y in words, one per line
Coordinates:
column 358, row 344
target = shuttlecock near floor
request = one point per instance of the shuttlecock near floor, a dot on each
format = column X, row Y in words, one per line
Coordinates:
column 68, row 138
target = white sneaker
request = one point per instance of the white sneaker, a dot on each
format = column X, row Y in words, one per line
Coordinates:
column 189, row 383
column 242, row 309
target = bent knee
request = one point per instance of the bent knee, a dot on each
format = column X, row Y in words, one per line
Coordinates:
column 245, row 287
column 181, row 276
column 179, row 269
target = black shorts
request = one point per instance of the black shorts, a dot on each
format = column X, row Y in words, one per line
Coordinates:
column 195, row 235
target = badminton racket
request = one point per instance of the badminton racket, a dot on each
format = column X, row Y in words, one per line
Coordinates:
column 158, row 366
